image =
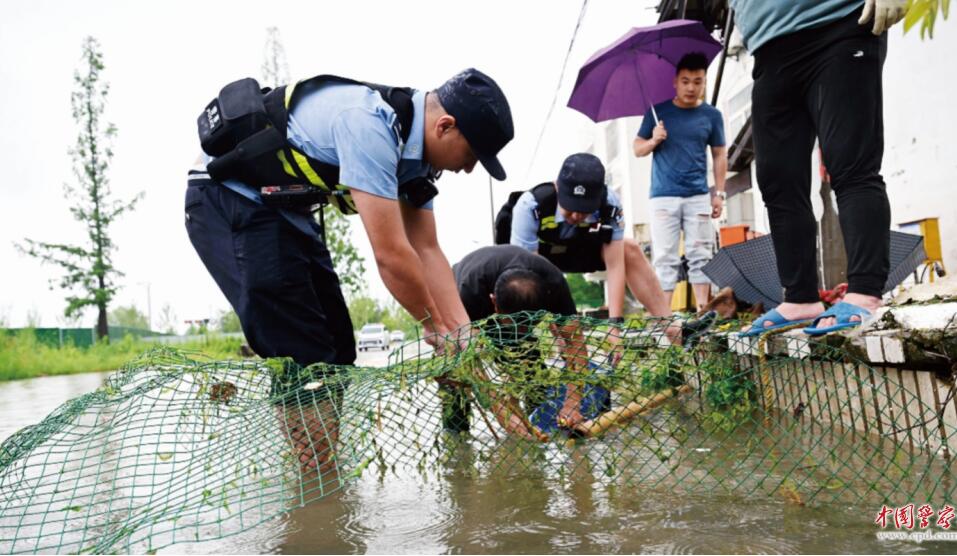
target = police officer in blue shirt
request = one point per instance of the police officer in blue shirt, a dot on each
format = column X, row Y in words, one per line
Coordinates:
column 576, row 223
column 367, row 148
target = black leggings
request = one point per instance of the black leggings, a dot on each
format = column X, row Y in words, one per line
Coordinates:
column 823, row 83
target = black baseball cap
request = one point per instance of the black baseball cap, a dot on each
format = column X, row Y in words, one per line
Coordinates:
column 482, row 114
column 581, row 183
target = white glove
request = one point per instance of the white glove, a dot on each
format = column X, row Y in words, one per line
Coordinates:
column 885, row 13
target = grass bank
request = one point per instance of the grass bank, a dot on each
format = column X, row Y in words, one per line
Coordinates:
column 22, row 356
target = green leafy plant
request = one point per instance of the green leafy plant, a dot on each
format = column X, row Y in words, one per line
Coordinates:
column 726, row 386
column 667, row 371
column 129, row 317
column 228, row 321
column 585, row 293
column 924, row 13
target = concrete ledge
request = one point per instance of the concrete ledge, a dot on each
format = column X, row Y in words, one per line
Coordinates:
column 798, row 346
column 885, row 347
column 934, row 316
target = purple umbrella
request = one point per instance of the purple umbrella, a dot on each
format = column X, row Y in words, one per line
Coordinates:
column 637, row 71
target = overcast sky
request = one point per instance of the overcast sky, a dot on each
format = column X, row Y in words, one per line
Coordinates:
column 165, row 60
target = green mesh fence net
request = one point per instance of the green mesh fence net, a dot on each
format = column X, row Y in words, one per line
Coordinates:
column 173, row 448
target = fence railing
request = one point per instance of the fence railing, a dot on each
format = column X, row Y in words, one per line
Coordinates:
column 86, row 337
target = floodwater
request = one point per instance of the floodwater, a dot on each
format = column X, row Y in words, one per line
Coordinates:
column 510, row 510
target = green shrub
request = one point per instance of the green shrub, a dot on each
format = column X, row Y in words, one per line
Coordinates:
column 22, row 356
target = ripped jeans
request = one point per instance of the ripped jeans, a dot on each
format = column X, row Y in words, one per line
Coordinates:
column 671, row 215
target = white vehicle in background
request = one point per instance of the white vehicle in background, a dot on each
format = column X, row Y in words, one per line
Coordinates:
column 397, row 336
column 373, row 335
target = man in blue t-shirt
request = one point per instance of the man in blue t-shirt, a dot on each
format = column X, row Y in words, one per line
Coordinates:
column 680, row 198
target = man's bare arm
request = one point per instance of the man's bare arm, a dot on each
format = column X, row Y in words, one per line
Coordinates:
column 613, row 253
column 644, row 147
column 719, row 156
column 398, row 263
column 420, row 229
column 574, row 351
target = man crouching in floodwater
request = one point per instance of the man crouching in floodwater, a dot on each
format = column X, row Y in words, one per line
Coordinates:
column 495, row 284
column 505, row 280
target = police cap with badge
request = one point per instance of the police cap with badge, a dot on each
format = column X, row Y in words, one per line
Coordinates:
column 581, row 183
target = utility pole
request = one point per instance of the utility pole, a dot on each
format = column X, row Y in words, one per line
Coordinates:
column 726, row 36
column 149, row 306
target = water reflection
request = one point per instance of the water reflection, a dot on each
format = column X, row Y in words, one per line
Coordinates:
column 470, row 504
column 26, row 402
column 525, row 511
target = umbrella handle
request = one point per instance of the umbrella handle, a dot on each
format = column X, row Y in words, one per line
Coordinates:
column 641, row 87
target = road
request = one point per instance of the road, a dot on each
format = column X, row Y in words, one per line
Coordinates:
column 380, row 358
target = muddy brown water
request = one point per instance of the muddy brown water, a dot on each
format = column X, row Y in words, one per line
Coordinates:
column 509, row 511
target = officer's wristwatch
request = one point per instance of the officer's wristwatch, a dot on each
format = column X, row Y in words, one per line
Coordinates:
column 722, row 194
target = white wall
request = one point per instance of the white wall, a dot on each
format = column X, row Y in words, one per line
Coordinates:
column 628, row 176
column 920, row 130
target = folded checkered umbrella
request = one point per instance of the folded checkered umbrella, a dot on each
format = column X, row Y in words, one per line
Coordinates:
column 751, row 268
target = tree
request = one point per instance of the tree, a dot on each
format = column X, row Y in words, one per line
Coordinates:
column 925, row 13
column 197, row 326
column 128, row 317
column 228, row 321
column 585, row 293
column 34, row 320
column 397, row 318
column 363, row 310
column 167, row 319
column 349, row 264
column 89, row 274
column 75, row 321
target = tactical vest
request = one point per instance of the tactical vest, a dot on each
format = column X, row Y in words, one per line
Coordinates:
column 245, row 129
column 582, row 251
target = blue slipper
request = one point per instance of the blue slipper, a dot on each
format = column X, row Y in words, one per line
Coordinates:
column 843, row 312
column 777, row 319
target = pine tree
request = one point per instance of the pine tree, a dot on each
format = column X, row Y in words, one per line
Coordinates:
column 89, row 275
column 350, row 265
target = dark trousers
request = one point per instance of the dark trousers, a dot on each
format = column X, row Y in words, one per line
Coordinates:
column 276, row 273
column 823, row 83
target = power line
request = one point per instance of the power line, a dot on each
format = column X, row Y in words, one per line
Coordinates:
column 558, row 87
